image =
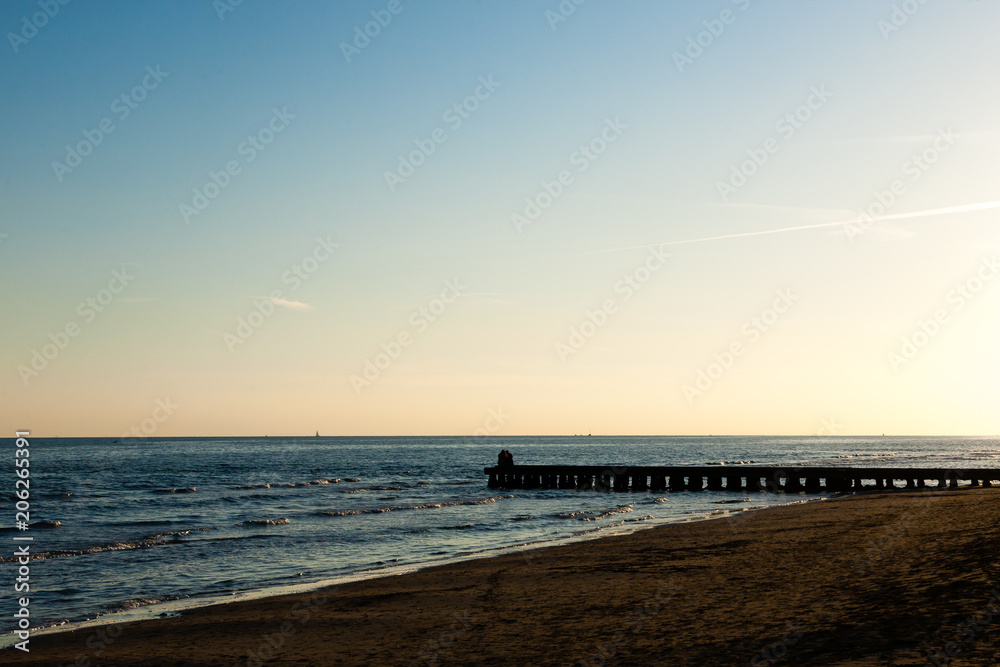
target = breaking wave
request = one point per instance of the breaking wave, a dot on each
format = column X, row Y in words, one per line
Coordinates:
column 595, row 515
column 142, row 543
column 266, row 522
column 361, row 489
column 425, row 506
column 125, row 605
column 876, row 455
column 274, row 485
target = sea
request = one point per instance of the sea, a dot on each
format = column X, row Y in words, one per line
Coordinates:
column 144, row 527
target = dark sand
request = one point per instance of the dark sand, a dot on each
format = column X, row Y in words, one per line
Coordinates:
column 866, row 580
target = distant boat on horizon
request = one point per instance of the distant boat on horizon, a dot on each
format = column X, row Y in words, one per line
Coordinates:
column 317, row 434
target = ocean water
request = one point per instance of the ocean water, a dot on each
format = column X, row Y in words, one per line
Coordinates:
column 143, row 521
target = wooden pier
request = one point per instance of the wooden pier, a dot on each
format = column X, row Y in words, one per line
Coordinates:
column 742, row 478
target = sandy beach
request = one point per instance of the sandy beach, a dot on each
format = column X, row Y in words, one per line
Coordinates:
column 889, row 579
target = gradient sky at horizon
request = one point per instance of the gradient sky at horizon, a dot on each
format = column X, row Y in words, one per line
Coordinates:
column 826, row 361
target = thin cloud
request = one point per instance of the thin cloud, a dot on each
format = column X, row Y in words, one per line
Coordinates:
column 882, row 233
column 976, row 135
column 898, row 139
column 294, row 305
column 967, row 208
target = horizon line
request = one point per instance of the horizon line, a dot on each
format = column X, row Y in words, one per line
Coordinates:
column 500, row 437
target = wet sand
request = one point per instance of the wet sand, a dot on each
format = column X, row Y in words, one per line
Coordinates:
column 889, row 579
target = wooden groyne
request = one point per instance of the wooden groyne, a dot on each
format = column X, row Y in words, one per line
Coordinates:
column 740, row 478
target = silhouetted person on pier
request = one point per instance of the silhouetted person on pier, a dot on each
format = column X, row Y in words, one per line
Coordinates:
column 505, row 459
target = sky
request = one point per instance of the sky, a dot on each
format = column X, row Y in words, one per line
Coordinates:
column 504, row 218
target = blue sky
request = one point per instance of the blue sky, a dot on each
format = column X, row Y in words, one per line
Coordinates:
column 888, row 95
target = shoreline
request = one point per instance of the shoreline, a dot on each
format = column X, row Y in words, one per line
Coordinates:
column 178, row 606
column 871, row 579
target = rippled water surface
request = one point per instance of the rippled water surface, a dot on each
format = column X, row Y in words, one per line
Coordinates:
column 148, row 520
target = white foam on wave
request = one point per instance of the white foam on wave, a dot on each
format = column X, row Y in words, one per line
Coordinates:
column 595, row 515
column 266, row 522
column 149, row 541
column 276, row 485
column 362, row 489
column 136, row 603
column 424, row 506
column 876, row 455
column 140, row 543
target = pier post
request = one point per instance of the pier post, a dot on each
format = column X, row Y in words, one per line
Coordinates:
column 715, row 482
column 492, row 484
column 812, row 485
column 773, row 484
column 659, row 482
column 839, row 484
column 734, row 483
column 639, row 482
column 602, row 482
column 621, row 482
column 953, row 477
column 677, row 482
column 987, row 483
column 695, row 483
column 792, row 483
column 753, row 483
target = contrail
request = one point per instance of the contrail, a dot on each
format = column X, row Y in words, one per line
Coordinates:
column 967, row 208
